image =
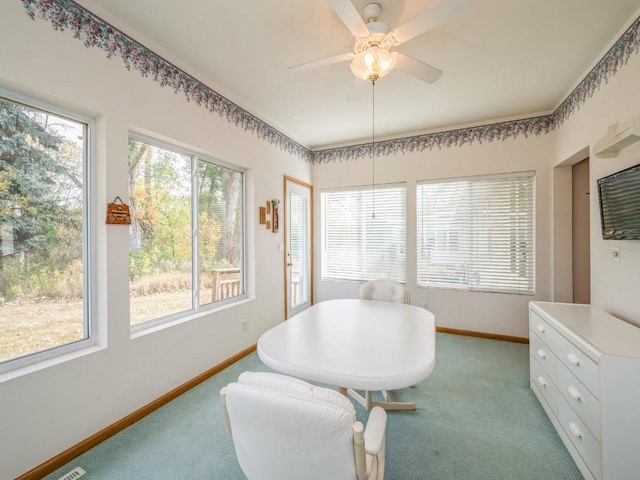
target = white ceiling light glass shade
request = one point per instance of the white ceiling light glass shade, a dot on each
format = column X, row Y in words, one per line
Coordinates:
column 373, row 59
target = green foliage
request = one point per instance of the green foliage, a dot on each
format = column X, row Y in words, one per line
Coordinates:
column 13, row 284
column 29, row 281
column 160, row 182
column 40, row 205
column 41, row 211
column 54, row 283
column 161, row 233
column 210, row 232
column 140, row 265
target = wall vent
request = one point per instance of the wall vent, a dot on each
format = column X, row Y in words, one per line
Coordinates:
column 73, row 474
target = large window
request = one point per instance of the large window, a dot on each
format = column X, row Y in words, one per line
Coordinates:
column 43, row 231
column 364, row 233
column 477, row 234
column 186, row 234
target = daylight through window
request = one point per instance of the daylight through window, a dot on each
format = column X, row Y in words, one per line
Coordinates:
column 43, row 274
column 174, row 267
column 477, row 234
column 364, row 233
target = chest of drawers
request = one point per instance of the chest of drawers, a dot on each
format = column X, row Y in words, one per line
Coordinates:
column 585, row 371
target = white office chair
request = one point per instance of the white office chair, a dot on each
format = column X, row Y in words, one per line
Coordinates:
column 287, row 429
column 387, row 291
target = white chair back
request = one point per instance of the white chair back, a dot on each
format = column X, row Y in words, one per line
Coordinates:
column 286, row 429
column 385, row 290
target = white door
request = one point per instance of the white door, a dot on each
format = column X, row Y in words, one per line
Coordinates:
column 298, row 246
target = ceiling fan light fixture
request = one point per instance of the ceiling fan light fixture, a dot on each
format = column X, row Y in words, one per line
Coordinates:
column 380, row 40
column 374, row 62
column 371, row 58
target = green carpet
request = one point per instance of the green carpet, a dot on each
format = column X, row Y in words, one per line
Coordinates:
column 476, row 419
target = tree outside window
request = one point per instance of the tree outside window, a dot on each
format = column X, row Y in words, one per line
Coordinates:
column 167, row 255
column 42, row 230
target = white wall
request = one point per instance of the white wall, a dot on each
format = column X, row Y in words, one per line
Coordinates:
column 615, row 287
column 50, row 409
column 483, row 312
column 44, row 412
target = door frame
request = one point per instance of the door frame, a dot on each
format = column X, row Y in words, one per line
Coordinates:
column 285, row 224
column 562, row 244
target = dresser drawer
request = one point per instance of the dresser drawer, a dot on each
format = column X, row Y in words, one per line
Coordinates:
column 583, row 402
column 544, row 356
column 597, row 387
column 585, row 369
column 543, row 330
column 581, row 438
column 544, row 385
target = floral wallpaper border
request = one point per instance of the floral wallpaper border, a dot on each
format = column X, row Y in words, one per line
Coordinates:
column 617, row 57
column 447, row 139
column 95, row 32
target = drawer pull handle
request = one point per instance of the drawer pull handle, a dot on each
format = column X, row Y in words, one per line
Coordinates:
column 575, row 430
column 573, row 359
column 541, row 328
column 541, row 353
column 575, row 394
column 542, row 382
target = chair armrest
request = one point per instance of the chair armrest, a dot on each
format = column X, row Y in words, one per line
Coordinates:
column 223, row 402
column 374, row 433
column 360, row 456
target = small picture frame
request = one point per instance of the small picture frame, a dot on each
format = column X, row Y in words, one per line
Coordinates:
column 268, row 207
column 268, row 224
column 263, row 215
column 118, row 213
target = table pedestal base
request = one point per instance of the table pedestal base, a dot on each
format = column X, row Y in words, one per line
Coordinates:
column 367, row 400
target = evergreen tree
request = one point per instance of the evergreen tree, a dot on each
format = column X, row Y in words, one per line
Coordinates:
column 28, row 186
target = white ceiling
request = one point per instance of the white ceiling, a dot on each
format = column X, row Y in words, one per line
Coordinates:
column 502, row 59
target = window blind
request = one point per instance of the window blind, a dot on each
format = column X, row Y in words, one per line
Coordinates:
column 477, row 234
column 364, row 233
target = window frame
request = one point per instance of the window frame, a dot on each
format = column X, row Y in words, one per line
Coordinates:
column 196, row 157
column 89, row 236
column 467, row 286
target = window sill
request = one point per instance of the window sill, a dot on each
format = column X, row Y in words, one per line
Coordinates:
column 48, row 359
column 154, row 326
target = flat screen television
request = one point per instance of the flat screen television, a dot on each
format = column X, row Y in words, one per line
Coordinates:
column 619, row 199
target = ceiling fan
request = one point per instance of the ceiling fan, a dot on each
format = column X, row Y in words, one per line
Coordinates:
column 371, row 58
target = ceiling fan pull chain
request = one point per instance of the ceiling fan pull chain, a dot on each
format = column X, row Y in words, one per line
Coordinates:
column 373, row 148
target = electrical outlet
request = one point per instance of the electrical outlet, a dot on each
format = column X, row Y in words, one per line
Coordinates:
column 245, row 325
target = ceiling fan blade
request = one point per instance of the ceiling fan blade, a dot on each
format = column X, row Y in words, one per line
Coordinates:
column 416, row 68
column 350, row 17
column 321, row 63
column 357, row 89
column 443, row 12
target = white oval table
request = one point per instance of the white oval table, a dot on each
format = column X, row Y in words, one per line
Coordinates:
column 355, row 345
